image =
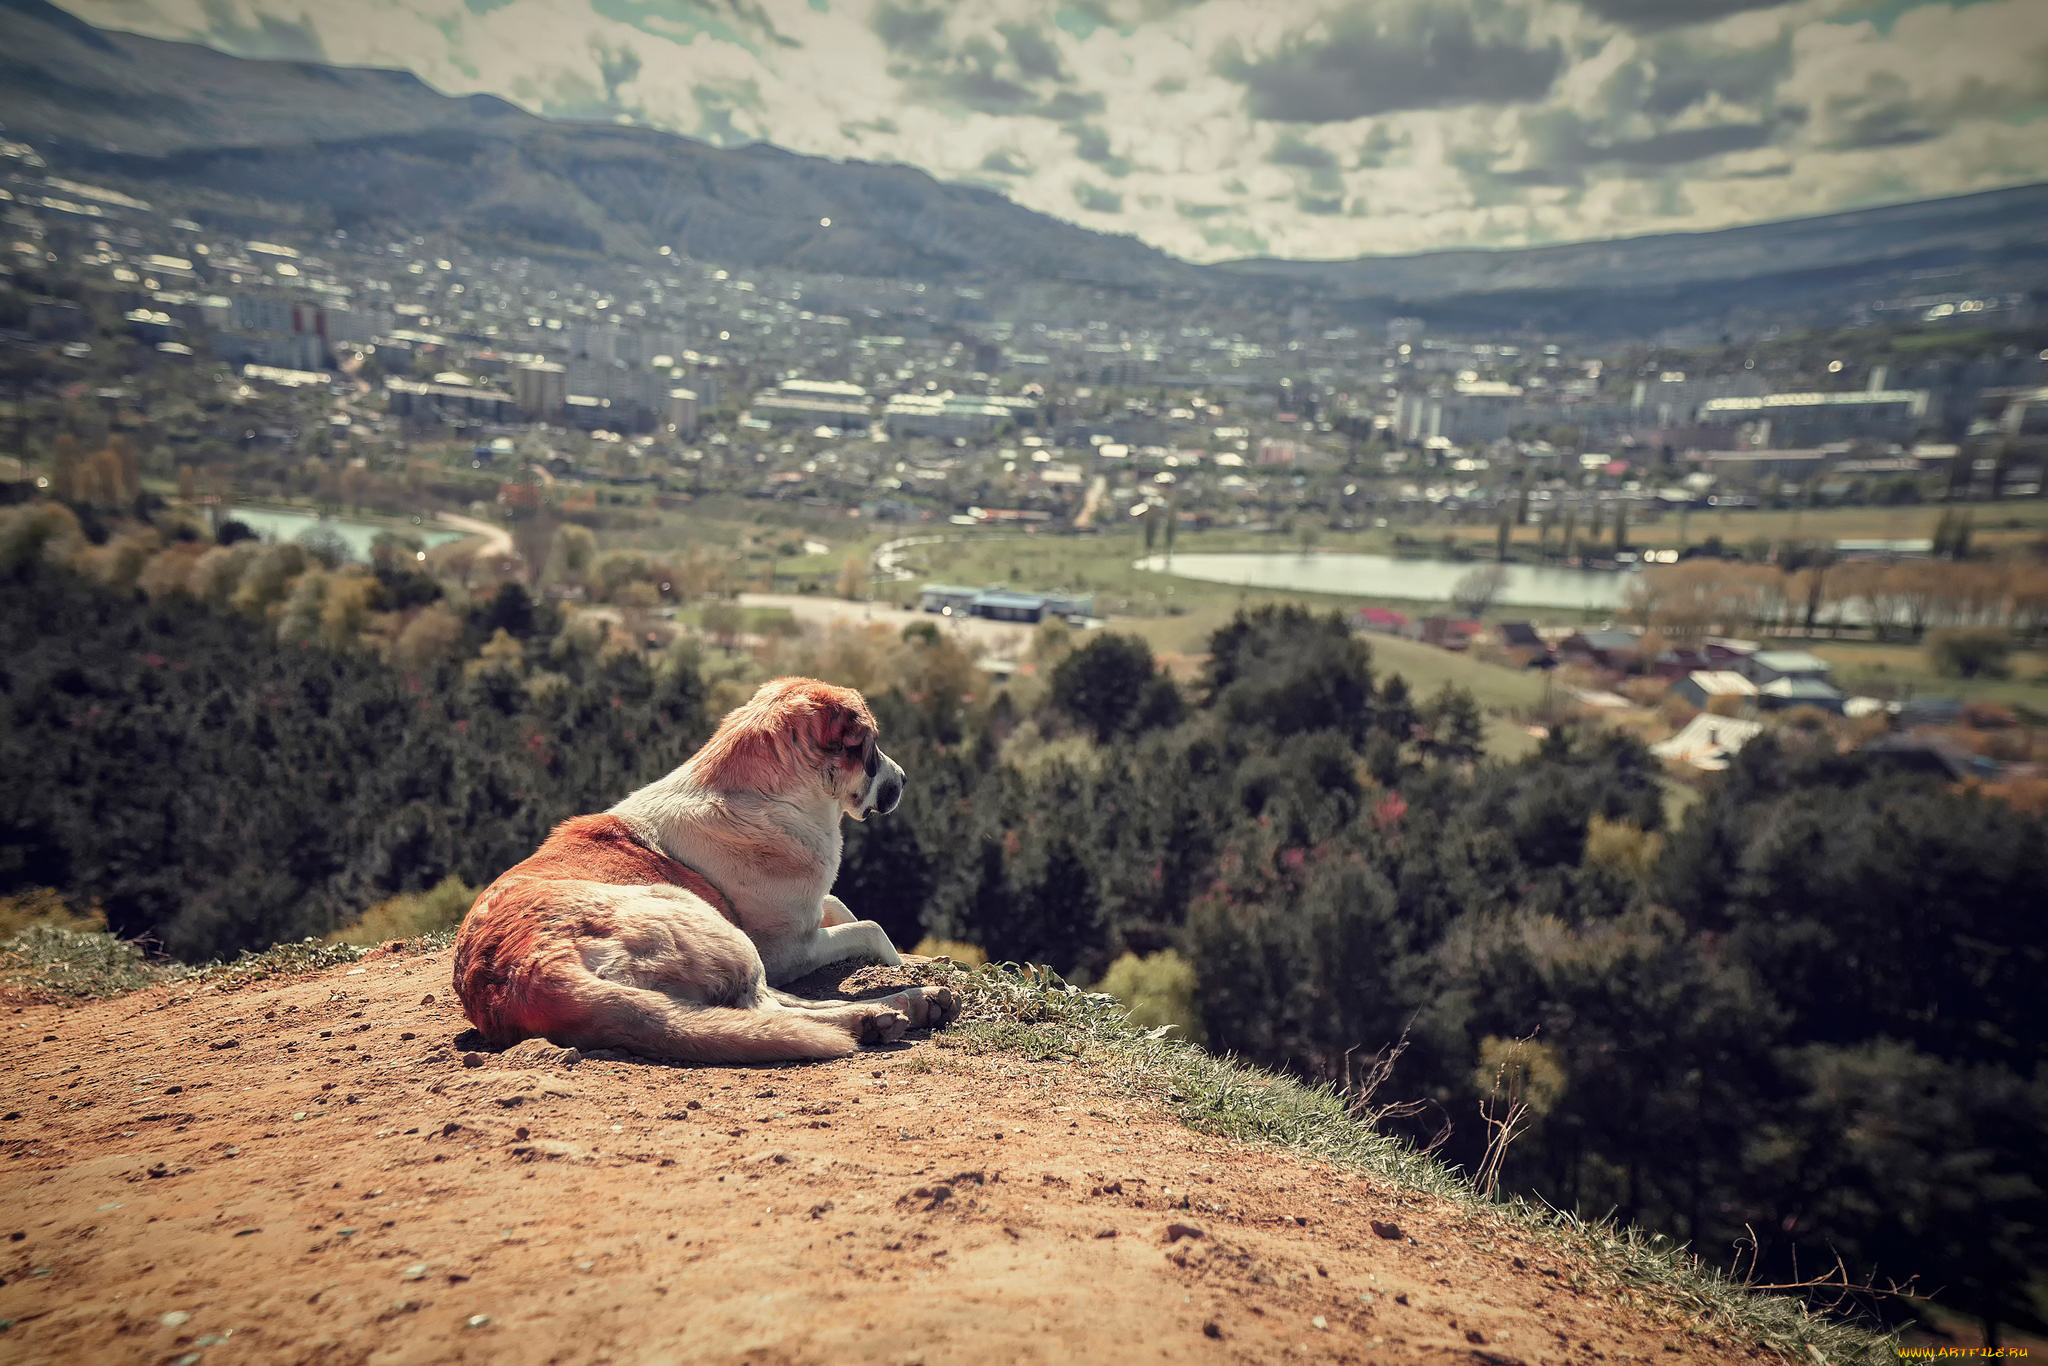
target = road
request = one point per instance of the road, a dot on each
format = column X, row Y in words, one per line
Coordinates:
column 886, row 564
column 1097, row 490
column 497, row 540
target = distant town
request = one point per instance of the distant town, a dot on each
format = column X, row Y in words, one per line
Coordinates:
column 895, row 440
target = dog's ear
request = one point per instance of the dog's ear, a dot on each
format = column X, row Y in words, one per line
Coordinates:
column 844, row 725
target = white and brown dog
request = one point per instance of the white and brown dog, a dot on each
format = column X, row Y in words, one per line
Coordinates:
column 664, row 925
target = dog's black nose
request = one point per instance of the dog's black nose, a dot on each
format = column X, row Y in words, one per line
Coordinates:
column 886, row 799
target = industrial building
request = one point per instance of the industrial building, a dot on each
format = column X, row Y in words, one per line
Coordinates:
column 1815, row 419
column 996, row 603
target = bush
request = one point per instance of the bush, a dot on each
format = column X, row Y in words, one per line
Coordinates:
column 407, row 917
column 1102, row 684
column 1478, row 590
column 1623, row 847
column 44, row 906
column 1978, row 653
column 1288, row 670
column 966, row 955
column 1159, row 989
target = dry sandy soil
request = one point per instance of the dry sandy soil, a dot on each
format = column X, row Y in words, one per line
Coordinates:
column 318, row 1172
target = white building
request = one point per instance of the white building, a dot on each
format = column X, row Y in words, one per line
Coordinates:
column 948, row 415
column 814, row 403
column 1814, row 419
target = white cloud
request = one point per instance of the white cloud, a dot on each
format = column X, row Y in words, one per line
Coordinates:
column 1299, row 127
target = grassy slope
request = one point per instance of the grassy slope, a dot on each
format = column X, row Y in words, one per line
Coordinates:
column 1032, row 1013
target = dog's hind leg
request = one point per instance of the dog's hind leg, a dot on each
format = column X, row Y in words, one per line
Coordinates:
column 609, row 1014
column 924, row 1007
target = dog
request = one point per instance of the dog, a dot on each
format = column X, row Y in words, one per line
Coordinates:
column 665, row 925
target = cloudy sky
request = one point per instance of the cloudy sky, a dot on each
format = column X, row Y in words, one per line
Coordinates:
column 1304, row 128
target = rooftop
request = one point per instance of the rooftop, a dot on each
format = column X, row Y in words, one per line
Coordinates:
column 1801, row 687
column 1791, row 661
column 1851, row 398
column 1721, row 683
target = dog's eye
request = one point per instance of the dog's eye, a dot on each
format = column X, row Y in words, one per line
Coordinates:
column 874, row 761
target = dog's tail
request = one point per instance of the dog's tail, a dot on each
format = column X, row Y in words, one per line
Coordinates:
column 614, row 1015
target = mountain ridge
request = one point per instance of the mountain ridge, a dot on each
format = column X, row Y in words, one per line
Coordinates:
column 359, row 147
column 2029, row 201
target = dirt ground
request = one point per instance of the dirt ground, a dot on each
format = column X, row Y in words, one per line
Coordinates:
column 318, row 1172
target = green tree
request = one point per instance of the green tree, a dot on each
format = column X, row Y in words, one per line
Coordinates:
column 1286, row 669
column 1453, row 726
column 1970, row 652
column 1102, row 684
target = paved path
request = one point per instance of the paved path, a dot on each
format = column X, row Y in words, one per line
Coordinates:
column 497, row 540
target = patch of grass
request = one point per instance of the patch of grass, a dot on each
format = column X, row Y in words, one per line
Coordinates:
column 52, row 963
column 45, row 906
column 278, row 961
column 753, row 621
column 1889, row 670
column 282, row 961
column 1030, row 1010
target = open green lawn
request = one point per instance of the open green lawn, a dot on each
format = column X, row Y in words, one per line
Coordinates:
column 2010, row 523
column 1498, row 689
column 1904, row 670
column 1426, row 668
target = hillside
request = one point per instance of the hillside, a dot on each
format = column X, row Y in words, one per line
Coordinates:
column 1764, row 275
column 1995, row 223
column 352, row 147
column 356, row 148
column 314, row 1169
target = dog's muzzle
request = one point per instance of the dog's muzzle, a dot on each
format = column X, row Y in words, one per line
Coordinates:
column 887, row 788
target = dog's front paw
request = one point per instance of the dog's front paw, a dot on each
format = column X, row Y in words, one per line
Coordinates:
column 942, row 1006
column 928, row 1007
column 883, row 1026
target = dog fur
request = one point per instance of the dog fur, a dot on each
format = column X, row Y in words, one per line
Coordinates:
column 664, row 925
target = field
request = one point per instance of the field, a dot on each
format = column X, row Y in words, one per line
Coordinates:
column 1904, row 671
column 1993, row 525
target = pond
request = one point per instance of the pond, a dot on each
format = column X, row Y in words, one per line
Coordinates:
column 357, row 536
column 1383, row 576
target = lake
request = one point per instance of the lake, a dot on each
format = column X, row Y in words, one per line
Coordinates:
column 1383, row 576
column 357, row 536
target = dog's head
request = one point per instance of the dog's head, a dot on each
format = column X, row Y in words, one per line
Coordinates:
column 795, row 727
